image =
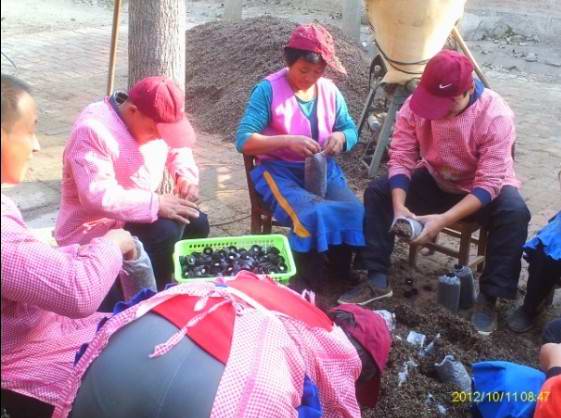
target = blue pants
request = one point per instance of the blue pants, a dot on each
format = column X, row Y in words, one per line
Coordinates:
column 544, row 273
column 506, row 218
column 159, row 239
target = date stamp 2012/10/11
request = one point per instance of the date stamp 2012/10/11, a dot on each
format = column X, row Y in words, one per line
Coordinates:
column 499, row 396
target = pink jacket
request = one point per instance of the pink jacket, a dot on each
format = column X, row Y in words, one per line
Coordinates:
column 108, row 179
column 270, row 356
column 49, row 299
column 469, row 151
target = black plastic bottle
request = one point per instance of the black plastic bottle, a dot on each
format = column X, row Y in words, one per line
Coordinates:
column 467, row 286
column 449, row 292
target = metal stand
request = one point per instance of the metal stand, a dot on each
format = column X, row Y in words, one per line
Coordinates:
column 397, row 95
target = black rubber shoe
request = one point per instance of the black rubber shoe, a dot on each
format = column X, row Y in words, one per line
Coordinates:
column 365, row 293
column 520, row 321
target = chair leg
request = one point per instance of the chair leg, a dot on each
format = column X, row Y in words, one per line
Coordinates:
column 463, row 253
column 413, row 252
column 267, row 224
column 482, row 247
column 255, row 223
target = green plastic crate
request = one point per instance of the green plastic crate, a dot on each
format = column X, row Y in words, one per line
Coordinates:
column 188, row 246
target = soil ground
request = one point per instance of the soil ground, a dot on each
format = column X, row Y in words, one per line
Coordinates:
column 61, row 50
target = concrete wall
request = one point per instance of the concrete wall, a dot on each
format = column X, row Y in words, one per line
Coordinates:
column 494, row 18
column 529, row 7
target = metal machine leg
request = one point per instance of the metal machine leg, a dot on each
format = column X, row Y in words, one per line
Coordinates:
column 366, row 109
column 400, row 94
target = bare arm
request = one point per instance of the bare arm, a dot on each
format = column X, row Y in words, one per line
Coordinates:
column 258, row 144
column 464, row 208
column 435, row 223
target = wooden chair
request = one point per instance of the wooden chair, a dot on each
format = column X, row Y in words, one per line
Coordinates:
column 463, row 230
column 261, row 217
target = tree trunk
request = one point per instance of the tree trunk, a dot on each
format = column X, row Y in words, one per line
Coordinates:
column 157, row 40
column 157, row 47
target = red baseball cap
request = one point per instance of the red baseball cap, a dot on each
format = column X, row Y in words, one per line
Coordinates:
column 447, row 74
column 316, row 38
column 370, row 330
column 161, row 100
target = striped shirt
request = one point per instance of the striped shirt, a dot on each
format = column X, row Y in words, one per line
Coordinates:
column 49, row 299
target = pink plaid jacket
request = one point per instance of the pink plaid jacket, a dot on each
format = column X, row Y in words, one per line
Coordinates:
column 49, row 299
column 270, row 355
column 472, row 150
column 108, row 179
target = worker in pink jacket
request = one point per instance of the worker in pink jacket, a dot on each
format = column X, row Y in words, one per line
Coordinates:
column 49, row 295
column 451, row 158
column 114, row 162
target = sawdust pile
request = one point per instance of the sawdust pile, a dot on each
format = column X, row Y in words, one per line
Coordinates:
column 422, row 393
column 225, row 60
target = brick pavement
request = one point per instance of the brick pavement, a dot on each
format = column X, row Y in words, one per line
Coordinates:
column 68, row 70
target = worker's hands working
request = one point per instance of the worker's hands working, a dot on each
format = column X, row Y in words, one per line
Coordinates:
column 124, row 241
column 302, row 145
column 186, row 189
column 307, row 147
column 432, row 225
column 401, row 211
column 178, row 209
column 335, row 143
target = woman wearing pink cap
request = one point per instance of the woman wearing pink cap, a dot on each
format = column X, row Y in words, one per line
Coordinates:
column 293, row 114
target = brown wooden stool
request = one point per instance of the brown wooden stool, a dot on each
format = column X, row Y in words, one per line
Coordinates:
column 261, row 217
column 463, row 230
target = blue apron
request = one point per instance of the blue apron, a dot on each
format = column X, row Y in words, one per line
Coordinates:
column 316, row 222
column 549, row 237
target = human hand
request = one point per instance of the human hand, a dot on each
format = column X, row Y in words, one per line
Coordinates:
column 124, row 241
column 432, row 225
column 550, row 356
column 401, row 211
column 335, row 143
column 302, row 145
column 178, row 209
column 186, row 190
